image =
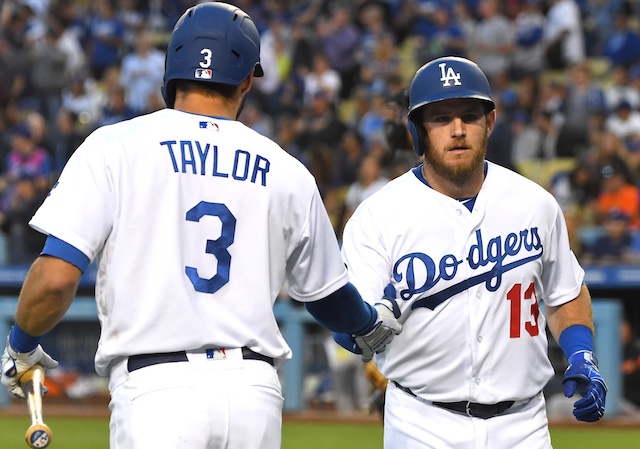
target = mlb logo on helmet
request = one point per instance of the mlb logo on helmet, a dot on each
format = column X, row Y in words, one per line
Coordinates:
column 448, row 75
column 204, row 74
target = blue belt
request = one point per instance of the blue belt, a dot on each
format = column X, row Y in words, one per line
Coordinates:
column 143, row 360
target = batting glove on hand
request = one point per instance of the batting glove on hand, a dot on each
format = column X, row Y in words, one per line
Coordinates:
column 583, row 376
column 15, row 364
column 384, row 329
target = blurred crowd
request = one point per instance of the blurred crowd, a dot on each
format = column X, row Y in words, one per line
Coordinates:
column 565, row 75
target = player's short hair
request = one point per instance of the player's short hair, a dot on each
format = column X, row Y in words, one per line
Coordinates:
column 227, row 91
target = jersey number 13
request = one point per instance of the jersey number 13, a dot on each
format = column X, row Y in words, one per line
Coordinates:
column 517, row 297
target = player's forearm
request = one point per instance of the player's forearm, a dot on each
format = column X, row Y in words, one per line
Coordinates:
column 343, row 311
column 47, row 293
column 573, row 312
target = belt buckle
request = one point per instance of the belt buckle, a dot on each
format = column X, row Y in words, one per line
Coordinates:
column 467, row 409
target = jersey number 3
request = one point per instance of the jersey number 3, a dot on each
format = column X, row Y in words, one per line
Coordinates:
column 516, row 298
column 217, row 247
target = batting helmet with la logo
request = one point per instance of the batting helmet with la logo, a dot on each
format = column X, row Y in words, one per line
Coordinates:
column 443, row 79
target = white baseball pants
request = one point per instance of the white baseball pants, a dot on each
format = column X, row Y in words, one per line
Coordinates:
column 200, row 404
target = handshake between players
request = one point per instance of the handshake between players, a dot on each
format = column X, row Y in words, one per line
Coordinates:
column 375, row 340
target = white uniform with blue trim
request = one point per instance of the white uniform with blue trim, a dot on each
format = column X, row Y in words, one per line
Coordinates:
column 195, row 223
column 469, row 285
column 183, row 213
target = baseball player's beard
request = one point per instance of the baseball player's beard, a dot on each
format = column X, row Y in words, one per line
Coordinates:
column 458, row 171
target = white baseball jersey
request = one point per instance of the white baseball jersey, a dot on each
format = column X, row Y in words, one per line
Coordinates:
column 195, row 223
column 469, row 284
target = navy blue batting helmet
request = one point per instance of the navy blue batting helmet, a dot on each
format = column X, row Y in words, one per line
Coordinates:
column 212, row 42
column 444, row 78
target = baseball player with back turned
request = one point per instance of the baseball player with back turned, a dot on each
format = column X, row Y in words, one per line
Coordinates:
column 470, row 250
column 195, row 222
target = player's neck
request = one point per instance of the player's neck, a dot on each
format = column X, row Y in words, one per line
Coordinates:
column 203, row 105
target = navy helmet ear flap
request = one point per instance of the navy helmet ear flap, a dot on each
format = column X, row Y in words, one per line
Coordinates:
column 417, row 136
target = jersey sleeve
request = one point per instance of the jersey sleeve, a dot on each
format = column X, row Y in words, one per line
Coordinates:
column 562, row 276
column 364, row 255
column 80, row 208
column 315, row 268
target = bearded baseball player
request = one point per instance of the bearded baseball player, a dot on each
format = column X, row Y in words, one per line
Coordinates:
column 195, row 222
column 470, row 251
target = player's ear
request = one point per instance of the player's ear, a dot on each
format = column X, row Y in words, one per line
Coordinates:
column 245, row 86
column 491, row 121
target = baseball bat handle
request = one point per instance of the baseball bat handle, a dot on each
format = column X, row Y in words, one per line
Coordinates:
column 38, row 434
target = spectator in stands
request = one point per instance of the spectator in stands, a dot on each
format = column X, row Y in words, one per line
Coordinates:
column 599, row 22
column 302, row 49
column 385, row 63
column 527, row 139
column 349, row 154
column 338, row 39
column 463, row 16
column 447, row 37
column 493, row 40
column 47, row 73
column 25, row 161
column 623, row 46
column 12, row 74
column 24, row 183
column 370, row 179
column 584, row 98
column 67, row 138
column 106, row 37
column 83, row 97
column 557, row 140
column 322, row 78
column 141, row 74
column 255, row 118
column 371, row 124
column 617, row 193
column 23, row 242
column 614, row 246
column 585, row 189
column 630, row 362
column 134, row 17
column 116, row 109
column 608, row 149
column 500, row 143
column 624, row 122
column 563, row 35
column 68, row 42
column 620, row 89
column 529, row 51
column 373, row 25
column 319, row 123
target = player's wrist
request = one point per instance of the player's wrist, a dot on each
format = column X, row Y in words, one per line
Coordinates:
column 371, row 324
column 576, row 339
column 22, row 342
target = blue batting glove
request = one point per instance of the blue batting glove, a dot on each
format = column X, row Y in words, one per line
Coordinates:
column 582, row 375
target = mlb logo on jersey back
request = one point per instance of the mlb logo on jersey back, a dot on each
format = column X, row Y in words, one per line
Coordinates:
column 204, row 74
column 211, row 125
column 449, row 75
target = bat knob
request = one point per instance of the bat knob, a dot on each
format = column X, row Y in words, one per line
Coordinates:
column 38, row 436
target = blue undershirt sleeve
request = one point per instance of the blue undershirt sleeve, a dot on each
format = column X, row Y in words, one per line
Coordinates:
column 343, row 311
column 55, row 247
